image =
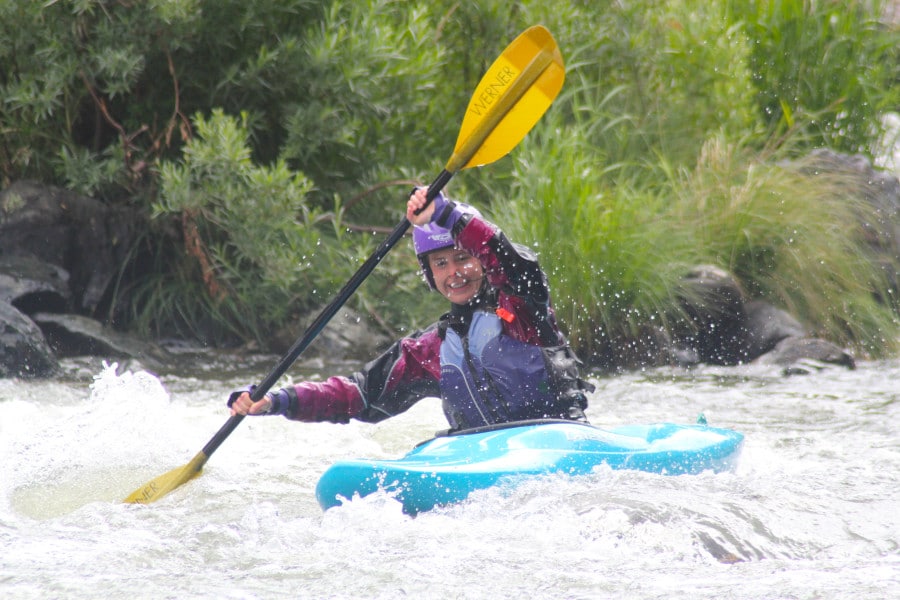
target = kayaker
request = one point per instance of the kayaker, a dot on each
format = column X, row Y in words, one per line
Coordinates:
column 497, row 356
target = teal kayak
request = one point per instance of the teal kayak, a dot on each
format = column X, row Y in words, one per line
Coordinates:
column 447, row 468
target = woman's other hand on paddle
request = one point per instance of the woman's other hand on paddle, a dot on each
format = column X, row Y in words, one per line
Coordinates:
column 243, row 405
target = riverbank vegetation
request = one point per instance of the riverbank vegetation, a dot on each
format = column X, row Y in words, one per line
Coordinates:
column 272, row 145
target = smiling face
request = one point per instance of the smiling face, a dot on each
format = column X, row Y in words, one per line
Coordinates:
column 457, row 274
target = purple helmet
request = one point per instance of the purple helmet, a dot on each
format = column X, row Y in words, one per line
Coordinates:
column 432, row 237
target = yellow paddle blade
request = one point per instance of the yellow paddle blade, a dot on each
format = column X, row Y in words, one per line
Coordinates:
column 513, row 94
column 162, row 485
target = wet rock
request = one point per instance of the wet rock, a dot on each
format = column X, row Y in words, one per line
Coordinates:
column 81, row 235
column 766, row 325
column 720, row 327
column 24, row 351
column 650, row 346
column 31, row 284
column 713, row 302
column 60, row 254
column 801, row 355
column 75, row 335
column 347, row 336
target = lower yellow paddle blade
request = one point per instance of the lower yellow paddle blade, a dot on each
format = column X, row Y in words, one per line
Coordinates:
column 512, row 96
column 164, row 484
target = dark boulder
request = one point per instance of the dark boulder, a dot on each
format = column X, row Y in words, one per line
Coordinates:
column 766, row 325
column 81, row 235
column 713, row 305
column 60, row 256
column 722, row 328
column 347, row 337
column 804, row 355
column 31, row 284
column 75, row 335
column 23, row 350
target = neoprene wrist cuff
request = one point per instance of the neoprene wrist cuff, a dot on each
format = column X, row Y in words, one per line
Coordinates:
column 443, row 208
column 279, row 402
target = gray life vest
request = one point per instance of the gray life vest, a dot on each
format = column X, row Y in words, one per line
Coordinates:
column 488, row 377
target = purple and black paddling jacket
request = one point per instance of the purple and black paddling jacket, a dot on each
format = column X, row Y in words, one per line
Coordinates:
column 499, row 358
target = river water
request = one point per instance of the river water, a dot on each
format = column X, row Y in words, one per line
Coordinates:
column 812, row 510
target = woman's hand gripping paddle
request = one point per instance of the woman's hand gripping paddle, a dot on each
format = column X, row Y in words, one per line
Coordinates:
column 511, row 97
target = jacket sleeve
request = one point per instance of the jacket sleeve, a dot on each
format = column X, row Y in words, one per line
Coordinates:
column 514, row 270
column 389, row 385
column 507, row 265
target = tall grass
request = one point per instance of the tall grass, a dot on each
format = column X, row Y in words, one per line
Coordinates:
column 665, row 151
column 793, row 232
column 616, row 248
column 613, row 258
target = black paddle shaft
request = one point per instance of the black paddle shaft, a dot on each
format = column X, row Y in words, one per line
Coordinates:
column 325, row 316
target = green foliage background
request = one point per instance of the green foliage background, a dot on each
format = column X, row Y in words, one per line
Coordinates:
column 283, row 135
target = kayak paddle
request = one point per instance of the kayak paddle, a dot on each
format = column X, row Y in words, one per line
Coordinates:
column 511, row 97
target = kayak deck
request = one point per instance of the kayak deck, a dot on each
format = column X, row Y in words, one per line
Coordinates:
column 448, row 468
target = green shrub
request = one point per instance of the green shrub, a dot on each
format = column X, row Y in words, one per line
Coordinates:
column 249, row 234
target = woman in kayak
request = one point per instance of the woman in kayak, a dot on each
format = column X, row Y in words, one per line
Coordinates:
column 497, row 356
